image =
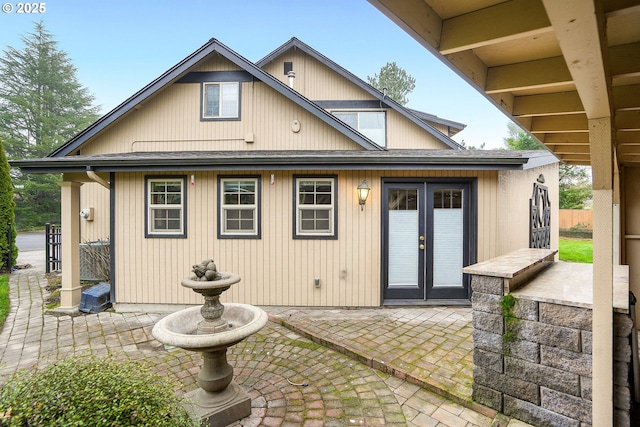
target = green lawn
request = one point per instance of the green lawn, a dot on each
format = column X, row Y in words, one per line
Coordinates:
column 576, row 250
column 4, row 298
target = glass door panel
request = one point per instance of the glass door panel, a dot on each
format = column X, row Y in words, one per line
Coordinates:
column 448, row 226
column 404, row 224
column 448, row 237
column 403, row 246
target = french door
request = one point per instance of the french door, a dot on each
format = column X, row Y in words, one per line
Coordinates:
column 426, row 240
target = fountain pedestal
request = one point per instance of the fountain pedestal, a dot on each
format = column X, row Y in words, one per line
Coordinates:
column 210, row 330
column 219, row 401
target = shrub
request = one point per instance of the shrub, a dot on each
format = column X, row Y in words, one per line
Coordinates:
column 7, row 215
column 91, row 392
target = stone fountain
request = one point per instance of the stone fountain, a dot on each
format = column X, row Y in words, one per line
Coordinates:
column 210, row 330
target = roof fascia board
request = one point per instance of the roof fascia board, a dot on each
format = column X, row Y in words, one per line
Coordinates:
column 305, row 162
column 296, row 43
column 426, row 116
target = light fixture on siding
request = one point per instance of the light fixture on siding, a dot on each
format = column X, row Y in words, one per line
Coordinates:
column 363, row 193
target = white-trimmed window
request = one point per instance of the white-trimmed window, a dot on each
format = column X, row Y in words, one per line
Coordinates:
column 166, row 206
column 221, row 100
column 239, row 207
column 371, row 124
column 315, row 207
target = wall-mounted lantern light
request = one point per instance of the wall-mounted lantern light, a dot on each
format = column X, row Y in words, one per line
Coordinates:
column 363, row 193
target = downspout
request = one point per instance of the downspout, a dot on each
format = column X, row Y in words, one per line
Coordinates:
column 95, row 177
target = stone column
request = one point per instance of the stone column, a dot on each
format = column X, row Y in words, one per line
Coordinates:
column 71, row 291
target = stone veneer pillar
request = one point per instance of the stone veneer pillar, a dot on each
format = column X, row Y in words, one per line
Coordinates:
column 536, row 365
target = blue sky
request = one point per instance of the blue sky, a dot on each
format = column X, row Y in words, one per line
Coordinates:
column 118, row 46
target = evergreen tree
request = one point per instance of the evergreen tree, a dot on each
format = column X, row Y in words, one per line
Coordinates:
column 520, row 140
column 394, row 81
column 42, row 105
column 7, row 220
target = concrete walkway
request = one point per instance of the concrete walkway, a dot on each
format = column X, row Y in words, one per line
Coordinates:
column 372, row 367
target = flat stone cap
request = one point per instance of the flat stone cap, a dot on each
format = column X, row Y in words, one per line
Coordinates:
column 512, row 264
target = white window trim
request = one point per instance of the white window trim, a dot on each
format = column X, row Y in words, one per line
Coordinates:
column 332, row 208
column 150, row 231
column 223, row 231
column 236, row 115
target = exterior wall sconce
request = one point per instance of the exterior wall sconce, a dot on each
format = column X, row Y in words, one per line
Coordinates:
column 363, row 193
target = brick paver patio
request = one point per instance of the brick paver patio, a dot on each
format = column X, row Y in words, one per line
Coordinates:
column 422, row 360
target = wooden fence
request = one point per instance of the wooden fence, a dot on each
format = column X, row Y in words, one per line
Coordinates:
column 576, row 217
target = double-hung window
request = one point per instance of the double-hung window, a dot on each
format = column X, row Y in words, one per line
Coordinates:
column 239, row 207
column 166, row 205
column 221, row 100
column 371, row 124
column 315, row 207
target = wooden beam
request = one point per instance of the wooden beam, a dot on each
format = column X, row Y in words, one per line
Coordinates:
column 524, row 122
column 416, row 17
column 628, row 120
column 627, row 160
column 623, row 136
column 576, row 159
column 580, row 29
column 570, row 149
column 548, row 104
column 554, row 124
column 625, row 60
column 553, row 145
column 626, row 97
column 628, row 149
column 619, row 7
column 471, row 68
column 577, row 162
column 567, row 138
column 546, row 72
column 503, row 22
column 504, row 100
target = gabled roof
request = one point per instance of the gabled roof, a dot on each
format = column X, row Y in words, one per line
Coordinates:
column 390, row 103
column 454, row 127
column 181, row 68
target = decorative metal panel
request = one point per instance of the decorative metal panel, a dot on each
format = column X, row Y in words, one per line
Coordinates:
column 540, row 216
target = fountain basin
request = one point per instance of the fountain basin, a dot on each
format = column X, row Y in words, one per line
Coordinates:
column 179, row 329
column 223, row 282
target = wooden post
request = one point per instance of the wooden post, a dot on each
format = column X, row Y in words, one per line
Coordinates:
column 71, row 291
column 600, row 140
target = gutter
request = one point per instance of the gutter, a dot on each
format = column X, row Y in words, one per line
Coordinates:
column 277, row 162
column 95, row 177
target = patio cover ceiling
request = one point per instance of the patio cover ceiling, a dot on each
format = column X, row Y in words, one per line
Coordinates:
column 549, row 65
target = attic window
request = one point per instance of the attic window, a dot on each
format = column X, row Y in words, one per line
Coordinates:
column 288, row 66
column 221, row 100
column 371, row 124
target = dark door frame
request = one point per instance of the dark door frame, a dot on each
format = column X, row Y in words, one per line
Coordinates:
column 471, row 247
